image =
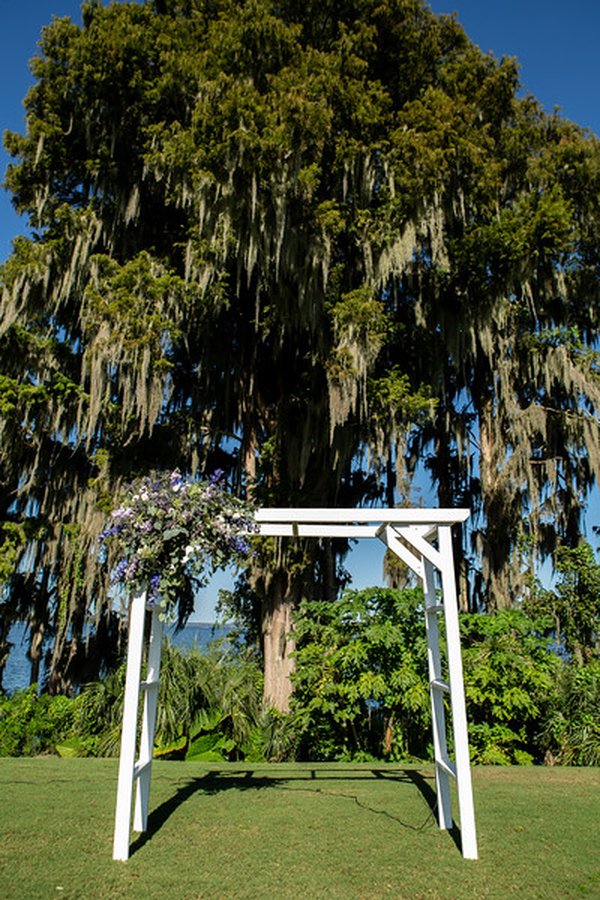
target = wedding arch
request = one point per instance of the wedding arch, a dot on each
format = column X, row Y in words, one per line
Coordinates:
column 419, row 537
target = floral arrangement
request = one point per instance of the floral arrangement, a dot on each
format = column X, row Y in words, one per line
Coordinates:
column 169, row 530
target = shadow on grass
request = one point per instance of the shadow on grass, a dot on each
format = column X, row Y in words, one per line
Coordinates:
column 217, row 781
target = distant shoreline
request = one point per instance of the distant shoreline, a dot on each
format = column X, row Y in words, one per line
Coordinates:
column 18, row 667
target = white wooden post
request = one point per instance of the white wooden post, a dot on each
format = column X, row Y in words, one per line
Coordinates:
column 137, row 614
column 457, row 698
column 143, row 766
column 418, row 536
column 436, row 688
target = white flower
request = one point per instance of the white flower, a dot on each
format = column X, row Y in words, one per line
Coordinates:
column 188, row 553
column 123, row 512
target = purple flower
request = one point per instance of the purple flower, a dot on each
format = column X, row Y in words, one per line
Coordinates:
column 153, row 588
column 177, row 482
column 239, row 544
column 164, row 517
column 111, row 531
column 119, row 571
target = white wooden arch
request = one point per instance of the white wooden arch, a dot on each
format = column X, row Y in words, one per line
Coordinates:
column 422, row 539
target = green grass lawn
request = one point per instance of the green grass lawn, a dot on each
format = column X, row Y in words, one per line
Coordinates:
column 295, row 830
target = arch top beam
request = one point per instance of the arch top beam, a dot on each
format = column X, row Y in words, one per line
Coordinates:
column 309, row 522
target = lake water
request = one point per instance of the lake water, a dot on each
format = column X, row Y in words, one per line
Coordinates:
column 16, row 673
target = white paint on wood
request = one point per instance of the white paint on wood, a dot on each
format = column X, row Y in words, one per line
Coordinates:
column 409, row 533
column 140, row 818
column 402, row 515
column 137, row 612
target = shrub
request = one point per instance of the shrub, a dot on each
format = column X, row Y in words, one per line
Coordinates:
column 510, row 675
column 570, row 734
column 361, row 685
column 32, row 723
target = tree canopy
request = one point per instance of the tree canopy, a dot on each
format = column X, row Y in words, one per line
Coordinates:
column 309, row 244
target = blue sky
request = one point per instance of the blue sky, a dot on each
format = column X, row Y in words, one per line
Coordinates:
column 555, row 43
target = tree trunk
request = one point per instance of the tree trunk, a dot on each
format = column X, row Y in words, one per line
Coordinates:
column 388, row 736
column 502, row 577
column 329, row 567
column 249, row 456
column 68, row 648
column 35, row 651
column 278, row 644
column 446, row 476
column 5, row 648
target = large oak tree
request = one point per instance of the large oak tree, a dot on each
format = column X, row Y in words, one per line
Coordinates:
column 307, row 243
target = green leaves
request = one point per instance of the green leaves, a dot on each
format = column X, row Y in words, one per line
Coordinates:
column 361, row 685
column 31, row 724
column 570, row 735
column 360, row 678
column 327, row 231
column 574, row 604
column 510, row 674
